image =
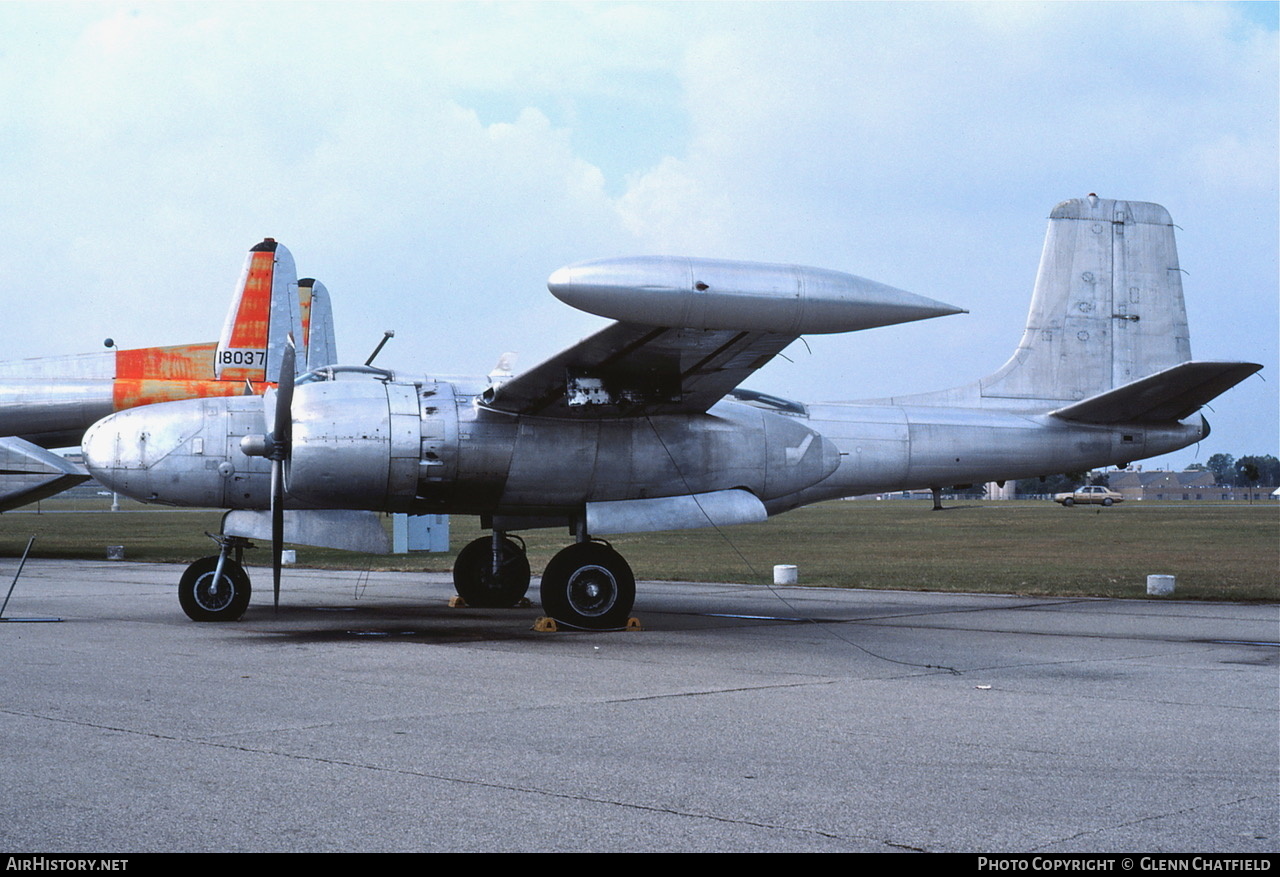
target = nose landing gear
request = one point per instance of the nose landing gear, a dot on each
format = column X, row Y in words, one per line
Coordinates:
column 216, row 588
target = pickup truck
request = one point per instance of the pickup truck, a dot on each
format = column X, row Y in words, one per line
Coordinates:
column 1094, row 494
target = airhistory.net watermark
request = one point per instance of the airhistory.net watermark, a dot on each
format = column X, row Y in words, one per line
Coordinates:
column 45, row 863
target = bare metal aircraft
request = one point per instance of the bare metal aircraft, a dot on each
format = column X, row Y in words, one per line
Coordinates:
column 49, row 402
column 644, row 425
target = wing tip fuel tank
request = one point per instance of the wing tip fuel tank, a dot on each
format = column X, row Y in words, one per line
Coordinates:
column 749, row 296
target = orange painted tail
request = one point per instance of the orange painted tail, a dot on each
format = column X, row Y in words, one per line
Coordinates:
column 264, row 311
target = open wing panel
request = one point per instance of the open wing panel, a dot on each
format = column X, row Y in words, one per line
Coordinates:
column 629, row 370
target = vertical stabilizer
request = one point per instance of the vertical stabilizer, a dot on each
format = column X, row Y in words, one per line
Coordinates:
column 318, row 335
column 1107, row 308
column 264, row 311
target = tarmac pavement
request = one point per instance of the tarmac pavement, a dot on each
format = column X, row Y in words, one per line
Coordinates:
column 367, row 715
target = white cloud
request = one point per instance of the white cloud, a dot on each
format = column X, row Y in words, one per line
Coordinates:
column 433, row 162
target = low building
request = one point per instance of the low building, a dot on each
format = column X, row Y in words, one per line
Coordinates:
column 1196, row 485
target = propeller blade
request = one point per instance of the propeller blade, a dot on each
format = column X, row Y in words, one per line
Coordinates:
column 282, row 428
column 281, row 446
column 277, row 525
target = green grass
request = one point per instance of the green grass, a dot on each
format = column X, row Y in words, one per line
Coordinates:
column 1218, row 551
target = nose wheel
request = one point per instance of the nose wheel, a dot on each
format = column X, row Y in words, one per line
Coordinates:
column 589, row 585
column 207, row 596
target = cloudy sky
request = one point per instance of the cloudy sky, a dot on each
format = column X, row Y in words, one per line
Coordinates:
column 434, row 163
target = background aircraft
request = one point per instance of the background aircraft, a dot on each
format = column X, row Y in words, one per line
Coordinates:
column 644, row 426
column 49, row 402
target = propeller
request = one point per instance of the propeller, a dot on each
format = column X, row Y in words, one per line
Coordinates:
column 281, row 445
column 276, row 447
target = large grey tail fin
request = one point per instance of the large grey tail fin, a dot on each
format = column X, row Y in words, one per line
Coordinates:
column 1107, row 308
column 1106, row 340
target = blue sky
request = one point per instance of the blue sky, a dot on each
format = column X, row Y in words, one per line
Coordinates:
column 433, row 163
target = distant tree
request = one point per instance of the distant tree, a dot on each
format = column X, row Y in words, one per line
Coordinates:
column 1031, row 486
column 1257, row 470
column 1052, row 483
column 1223, row 468
column 1197, row 467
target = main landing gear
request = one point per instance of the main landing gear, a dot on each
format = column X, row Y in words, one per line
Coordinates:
column 492, row 572
column 587, row 585
column 216, row 588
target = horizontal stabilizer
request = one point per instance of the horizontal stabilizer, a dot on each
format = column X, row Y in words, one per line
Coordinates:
column 1163, row 397
column 29, row 473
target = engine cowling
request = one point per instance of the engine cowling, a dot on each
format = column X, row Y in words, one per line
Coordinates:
column 360, row 444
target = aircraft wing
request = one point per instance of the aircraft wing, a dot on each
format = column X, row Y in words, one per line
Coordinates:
column 633, row 370
column 691, row 330
column 29, row 473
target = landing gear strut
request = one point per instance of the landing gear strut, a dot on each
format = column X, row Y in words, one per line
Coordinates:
column 492, row 572
column 589, row 585
column 216, row 588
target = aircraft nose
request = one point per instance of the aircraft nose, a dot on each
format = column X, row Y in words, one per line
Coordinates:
column 135, row 451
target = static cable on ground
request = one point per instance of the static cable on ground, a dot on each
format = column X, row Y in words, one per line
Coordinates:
column 830, row 629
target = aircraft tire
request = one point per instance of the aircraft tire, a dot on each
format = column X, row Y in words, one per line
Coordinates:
column 589, row 585
column 228, row 604
column 475, row 582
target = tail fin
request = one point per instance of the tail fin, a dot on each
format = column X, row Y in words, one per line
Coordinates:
column 264, row 310
column 263, row 313
column 318, row 336
column 1107, row 308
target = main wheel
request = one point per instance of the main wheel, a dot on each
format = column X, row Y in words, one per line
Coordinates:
column 589, row 585
column 474, row 578
column 204, row 600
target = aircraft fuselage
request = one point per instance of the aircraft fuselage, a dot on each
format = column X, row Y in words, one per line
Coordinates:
column 431, row 447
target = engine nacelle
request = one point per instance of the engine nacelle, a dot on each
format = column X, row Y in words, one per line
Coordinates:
column 357, row 444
